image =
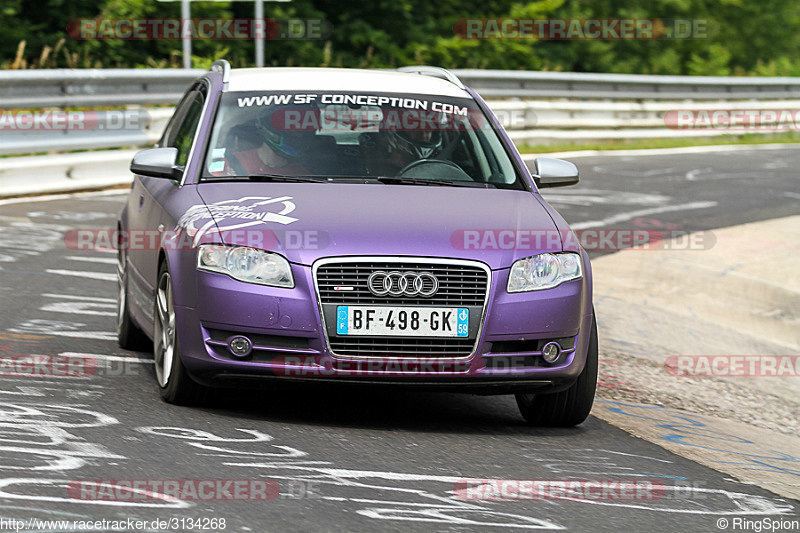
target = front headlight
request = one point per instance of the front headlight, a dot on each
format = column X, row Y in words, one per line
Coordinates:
column 544, row 271
column 246, row 264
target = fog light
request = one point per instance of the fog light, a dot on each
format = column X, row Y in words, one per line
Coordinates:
column 240, row 346
column 551, row 351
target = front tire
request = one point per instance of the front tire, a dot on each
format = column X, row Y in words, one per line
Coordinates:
column 569, row 407
column 174, row 383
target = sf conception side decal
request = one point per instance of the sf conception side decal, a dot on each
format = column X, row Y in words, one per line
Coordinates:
column 227, row 215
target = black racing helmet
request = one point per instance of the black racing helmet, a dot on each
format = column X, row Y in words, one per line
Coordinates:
column 288, row 142
column 416, row 144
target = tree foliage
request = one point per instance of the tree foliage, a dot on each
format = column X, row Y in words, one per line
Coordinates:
column 744, row 37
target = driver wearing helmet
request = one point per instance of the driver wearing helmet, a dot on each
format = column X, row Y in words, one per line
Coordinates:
column 258, row 147
column 408, row 146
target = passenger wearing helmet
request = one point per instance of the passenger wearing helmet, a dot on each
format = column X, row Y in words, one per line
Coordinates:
column 258, row 147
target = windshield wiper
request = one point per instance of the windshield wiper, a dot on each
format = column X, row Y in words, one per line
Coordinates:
column 399, row 180
column 272, row 177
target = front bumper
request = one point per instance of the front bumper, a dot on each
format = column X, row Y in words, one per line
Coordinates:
column 286, row 328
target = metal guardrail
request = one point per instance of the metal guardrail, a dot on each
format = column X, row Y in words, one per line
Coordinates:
column 547, row 121
column 39, row 174
column 22, row 89
column 522, row 84
column 536, row 107
column 81, row 130
column 96, row 87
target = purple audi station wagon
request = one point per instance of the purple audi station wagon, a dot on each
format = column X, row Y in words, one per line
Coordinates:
column 353, row 226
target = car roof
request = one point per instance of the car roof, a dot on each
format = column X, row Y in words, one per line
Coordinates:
column 340, row 79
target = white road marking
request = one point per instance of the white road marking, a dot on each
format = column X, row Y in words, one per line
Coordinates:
column 386, row 486
column 81, row 298
column 81, row 308
column 589, row 197
column 104, row 260
column 38, row 437
column 639, row 456
column 51, row 327
column 635, row 173
column 623, row 217
column 51, row 197
column 709, row 173
column 792, row 195
column 24, row 494
column 103, row 276
column 58, row 386
column 777, row 163
column 392, row 476
column 74, row 216
column 745, row 504
column 695, row 172
column 114, row 358
column 94, row 335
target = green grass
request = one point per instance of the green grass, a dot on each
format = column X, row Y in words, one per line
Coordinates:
column 641, row 144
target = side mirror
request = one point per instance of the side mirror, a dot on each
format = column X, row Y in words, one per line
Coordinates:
column 551, row 172
column 157, row 163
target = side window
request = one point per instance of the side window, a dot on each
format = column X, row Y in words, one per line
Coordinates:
column 168, row 137
column 182, row 135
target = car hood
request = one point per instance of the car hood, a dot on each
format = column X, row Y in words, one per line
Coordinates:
column 308, row 221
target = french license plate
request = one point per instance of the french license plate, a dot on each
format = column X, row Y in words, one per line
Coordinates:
column 402, row 321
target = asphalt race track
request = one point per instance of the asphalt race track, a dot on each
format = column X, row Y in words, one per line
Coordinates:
column 345, row 460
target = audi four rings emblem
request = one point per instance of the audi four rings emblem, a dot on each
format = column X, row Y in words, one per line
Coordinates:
column 396, row 283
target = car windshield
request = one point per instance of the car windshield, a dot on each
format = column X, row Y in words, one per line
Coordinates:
column 385, row 137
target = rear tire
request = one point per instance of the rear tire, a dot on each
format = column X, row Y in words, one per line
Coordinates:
column 129, row 335
column 569, row 407
column 174, row 382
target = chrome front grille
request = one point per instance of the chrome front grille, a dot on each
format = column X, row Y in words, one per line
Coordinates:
column 461, row 284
